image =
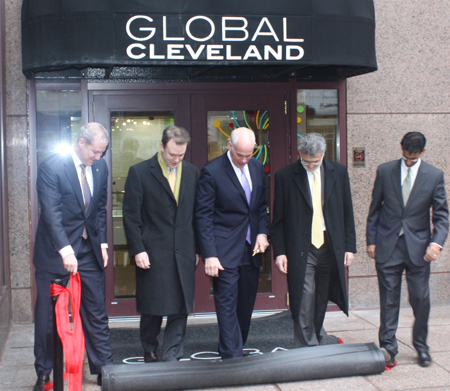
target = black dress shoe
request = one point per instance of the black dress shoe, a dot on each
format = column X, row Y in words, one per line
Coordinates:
column 424, row 359
column 390, row 360
column 150, row 357
column 41, row 380
column 99, row 379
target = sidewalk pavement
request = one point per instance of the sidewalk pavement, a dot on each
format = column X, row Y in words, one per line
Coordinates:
column 17, row 370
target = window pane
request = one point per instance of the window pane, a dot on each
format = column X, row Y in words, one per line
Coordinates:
column 135, row 136
column 58, row 121
column 317, row 112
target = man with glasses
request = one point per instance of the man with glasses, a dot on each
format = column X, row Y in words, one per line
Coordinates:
column 399, row 238
column 313, row 235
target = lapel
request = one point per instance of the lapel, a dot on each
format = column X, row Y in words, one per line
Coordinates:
column 155, row 171
column 72, row 176
column 186, row 182
column 396, row 178
column 255, row 179
column 330, row 178
column 229, row 170
column 301, row 180
column 96, row 181
column 421, row 178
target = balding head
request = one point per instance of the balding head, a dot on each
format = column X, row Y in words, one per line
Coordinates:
column 241, row 146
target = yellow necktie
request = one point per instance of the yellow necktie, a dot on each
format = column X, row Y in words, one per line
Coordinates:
column 317, row 222
column 171, row 180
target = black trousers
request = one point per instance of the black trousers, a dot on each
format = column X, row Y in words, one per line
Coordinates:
column 390, row 283
column 313, row 306
column 92, row 310
column 234, row 297
column 174, row 333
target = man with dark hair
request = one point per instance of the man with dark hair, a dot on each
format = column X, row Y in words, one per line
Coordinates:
column 399, row 238
column 158, row 217
column 313, row 235
column 71, row 238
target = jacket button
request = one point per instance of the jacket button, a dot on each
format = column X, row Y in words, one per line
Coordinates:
column 301, row 254
column 176, row 251
column 171, row 206
column 305, row 234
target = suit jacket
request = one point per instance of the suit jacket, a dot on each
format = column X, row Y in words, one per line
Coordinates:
column 387, row 214
column 62, row 218
column 154, row 223
column 292, row 221
column 223, row 214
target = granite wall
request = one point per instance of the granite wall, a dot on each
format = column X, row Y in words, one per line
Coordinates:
column 409, row 92
column 17, row 143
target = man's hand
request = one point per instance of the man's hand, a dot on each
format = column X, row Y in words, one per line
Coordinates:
column 70, row 263
column 261, row 244
column 348, row 259
column 282, row 262
column 105, row 257
column 371, row 251
column 433, row 252
column 142, row 260
column 212, row 266
column 197, row 259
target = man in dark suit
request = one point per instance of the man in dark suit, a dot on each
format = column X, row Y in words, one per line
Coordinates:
column 71, row 238
column 400, row 238
column 232, row 223
column 158, row 216
column 313, row 235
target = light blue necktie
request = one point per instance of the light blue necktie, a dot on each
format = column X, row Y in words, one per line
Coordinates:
column 248, row 195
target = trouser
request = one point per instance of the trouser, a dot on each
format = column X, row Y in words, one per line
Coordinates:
column 314, row 301
column 174, row 333
column 234, row 296
column 390, row 283
column 92, row 310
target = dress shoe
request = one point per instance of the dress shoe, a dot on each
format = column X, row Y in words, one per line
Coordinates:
column 424, row 359
column 150, row 357
column 390, row 360
column 99, row 379
column 41, row 380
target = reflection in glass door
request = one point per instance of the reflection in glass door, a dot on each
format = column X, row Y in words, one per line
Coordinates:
column 135, row 136
column 317, row 111
column 220, row 126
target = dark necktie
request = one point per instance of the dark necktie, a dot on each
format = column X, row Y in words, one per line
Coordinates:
column 86, row 193
column 248, row 195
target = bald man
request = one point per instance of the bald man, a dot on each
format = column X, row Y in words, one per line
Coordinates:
column 232, row 223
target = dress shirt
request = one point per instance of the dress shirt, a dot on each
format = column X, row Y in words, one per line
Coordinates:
column 238, row 172
column 90, row 179
column 414, row 171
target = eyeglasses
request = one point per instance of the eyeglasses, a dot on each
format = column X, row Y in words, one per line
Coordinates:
column 306, row 163
column 405, row 158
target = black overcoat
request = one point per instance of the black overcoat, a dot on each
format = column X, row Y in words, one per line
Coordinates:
column 154, row 223
column 292, row 220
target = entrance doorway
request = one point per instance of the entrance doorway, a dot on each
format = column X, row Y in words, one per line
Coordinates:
column 137, row 119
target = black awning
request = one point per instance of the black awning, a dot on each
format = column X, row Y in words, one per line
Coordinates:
column 280, row 38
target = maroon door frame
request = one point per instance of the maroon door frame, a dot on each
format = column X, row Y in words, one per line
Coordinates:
column 190, row 103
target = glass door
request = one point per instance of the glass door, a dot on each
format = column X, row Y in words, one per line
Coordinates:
column 135, row 137
column 214, row 118
column 136, row 122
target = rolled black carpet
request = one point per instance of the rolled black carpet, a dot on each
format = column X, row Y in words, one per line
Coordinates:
column 318, row 362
